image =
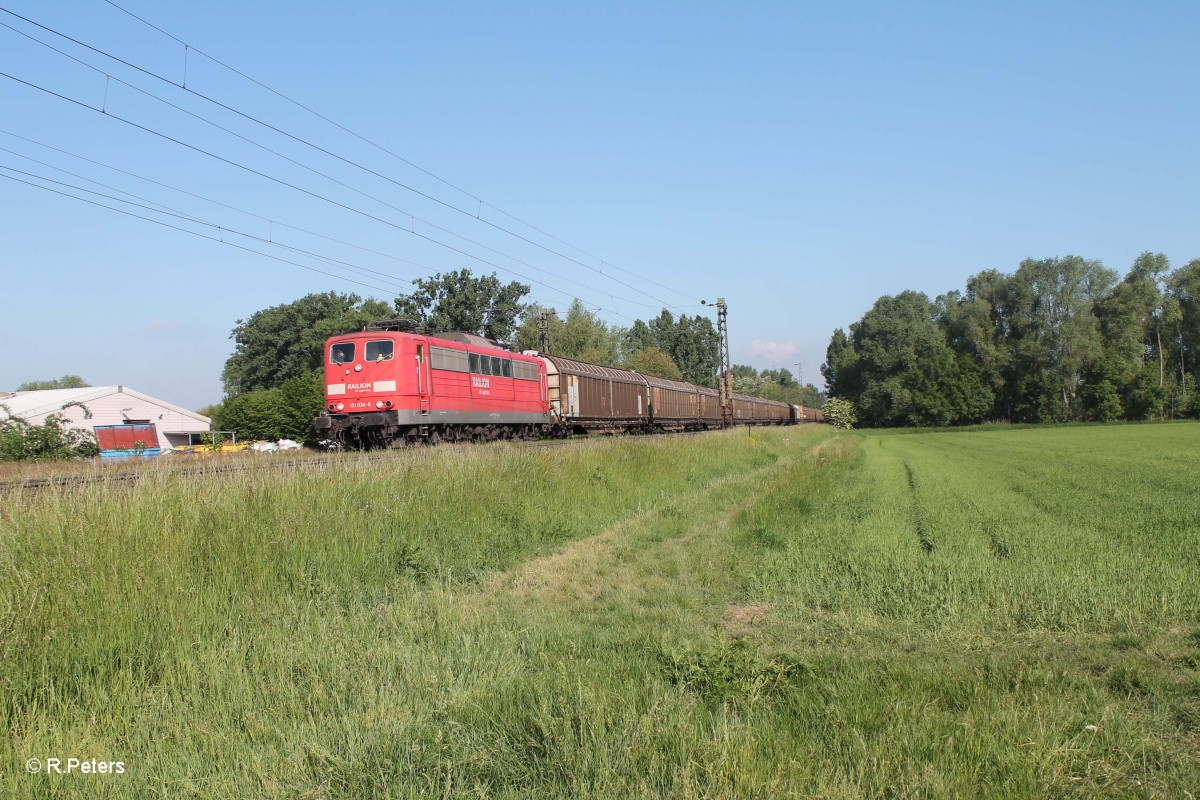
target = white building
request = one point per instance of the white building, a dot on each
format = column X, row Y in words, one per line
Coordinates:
column 109, row 405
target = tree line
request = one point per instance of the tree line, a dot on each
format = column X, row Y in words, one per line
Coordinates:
column 274, row 380
column 1059, row 339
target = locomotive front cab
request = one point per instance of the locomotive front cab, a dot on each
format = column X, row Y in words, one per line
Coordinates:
column 376, row 384
column 362, row 373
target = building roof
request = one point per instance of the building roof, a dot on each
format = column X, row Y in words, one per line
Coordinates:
column 31, row 404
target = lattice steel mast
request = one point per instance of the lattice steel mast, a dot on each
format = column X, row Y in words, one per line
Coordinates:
column 726, row 379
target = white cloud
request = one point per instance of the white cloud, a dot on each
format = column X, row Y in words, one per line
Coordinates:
column 161, row 326
column 776, row 352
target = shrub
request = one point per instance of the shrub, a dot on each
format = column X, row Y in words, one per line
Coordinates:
column 839, row 413
column 53, row 440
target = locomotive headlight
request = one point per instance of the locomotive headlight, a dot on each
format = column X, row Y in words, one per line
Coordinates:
column 341, row 406
column 358, row 367
column 332, row 406
column 387, row 404
column 379, row 404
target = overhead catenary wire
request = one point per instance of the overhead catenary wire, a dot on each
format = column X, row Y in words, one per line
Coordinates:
column 270, row 220
column 193, row 233
column 252, row 118
column 411, row 231
column 222, row 229
column 150, row 205
column 168, row 210
column 413, row 218
column 188, row 47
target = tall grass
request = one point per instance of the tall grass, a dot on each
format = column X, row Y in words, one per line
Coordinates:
column 239, row 633
column 795, row 613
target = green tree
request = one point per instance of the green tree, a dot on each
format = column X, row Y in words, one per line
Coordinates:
column 637, row 338
column 284, row 341
column 898, row 369
column 695, row 347
column 585, row 337
column 1102, row 402
column 211, row 411
column 652, row 361
column 782, row 377
column 527, row 337
column 691, row 342
column 65, row 382
column 663, row 331
column 1134, row 320
column 841, row 370
column 745, row 380
column 303, row 399
column 458, row 301
column 977, row 326
column 284, row 412
column 1184, row 288
column 257, row 415
column 811, row 396
column 1187, row 398
column 1054, row 333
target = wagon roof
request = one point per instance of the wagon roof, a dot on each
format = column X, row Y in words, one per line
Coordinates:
column 667, row 383
column 739, row 396
column 571, row 366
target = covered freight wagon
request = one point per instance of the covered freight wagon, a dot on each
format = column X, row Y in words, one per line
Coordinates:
column 595, row 397
column 673, row 404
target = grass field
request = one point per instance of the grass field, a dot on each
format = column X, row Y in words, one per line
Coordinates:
column 993, row 613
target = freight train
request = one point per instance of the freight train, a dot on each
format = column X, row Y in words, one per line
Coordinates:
column 391, row 385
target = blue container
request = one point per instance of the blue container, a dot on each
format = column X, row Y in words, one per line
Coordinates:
column 120, row 455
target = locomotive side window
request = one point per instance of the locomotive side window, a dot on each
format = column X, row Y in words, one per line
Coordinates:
column 445, row 358
column 525, row 371
column 342, row 353
column 496, row 367
column 379, row 351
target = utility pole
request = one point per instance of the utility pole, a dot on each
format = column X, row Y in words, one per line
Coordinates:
column 800, row 382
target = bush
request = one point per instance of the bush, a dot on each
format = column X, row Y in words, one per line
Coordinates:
column 286, row 412
column 53, row 440
column 839, row 413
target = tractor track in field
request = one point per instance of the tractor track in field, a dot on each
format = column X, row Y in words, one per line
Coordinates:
column 918, row 512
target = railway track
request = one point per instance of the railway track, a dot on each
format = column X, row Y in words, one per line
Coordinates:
column 266, row 462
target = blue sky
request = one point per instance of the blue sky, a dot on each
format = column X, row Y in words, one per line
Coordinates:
column 799, row 160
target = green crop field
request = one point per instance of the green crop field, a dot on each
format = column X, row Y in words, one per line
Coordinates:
column 796, row 613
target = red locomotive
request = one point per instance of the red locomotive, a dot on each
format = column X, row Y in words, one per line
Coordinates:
column 385, row 385
column 390, row 385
